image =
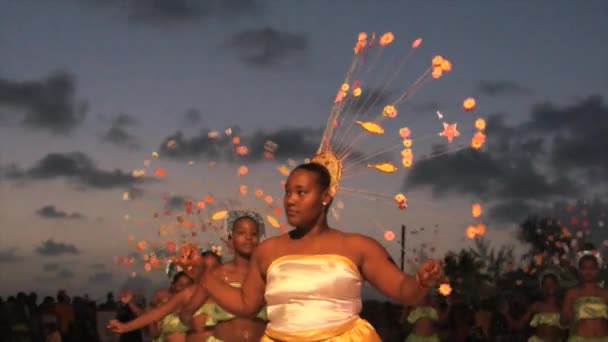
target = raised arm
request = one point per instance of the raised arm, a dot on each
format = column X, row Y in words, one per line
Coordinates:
column 386, row 277
column 247, row 300
column 196, row 301
column 151, row 315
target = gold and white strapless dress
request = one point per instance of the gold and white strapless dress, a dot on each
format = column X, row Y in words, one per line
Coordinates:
column 315, row 298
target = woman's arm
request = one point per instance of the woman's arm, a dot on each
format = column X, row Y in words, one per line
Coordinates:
column 247, row 300
column 387, row 278
column 154, row 314
column 565, row 318
column 196, row 301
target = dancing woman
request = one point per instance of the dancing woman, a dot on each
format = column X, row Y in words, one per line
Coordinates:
column 172, row 328
column 543, row 315
column 425, row 318
column 586, row 306
column 310, row 279
column 244, row 230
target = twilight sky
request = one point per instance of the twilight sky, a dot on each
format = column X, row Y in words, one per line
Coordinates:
column 90, row 88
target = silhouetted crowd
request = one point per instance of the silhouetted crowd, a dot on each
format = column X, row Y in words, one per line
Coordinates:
column 24, row 318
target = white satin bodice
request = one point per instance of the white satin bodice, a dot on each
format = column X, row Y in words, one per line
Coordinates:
column 305, row 292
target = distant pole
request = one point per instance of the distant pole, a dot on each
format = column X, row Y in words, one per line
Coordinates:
column 403, row 229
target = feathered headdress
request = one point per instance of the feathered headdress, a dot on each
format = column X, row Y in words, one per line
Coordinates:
column 354, row 118
column 593, row 252
column 235, row 215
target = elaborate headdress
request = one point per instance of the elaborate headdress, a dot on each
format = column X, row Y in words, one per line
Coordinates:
column 352, row 117
column 178, row 264
column 235, row 215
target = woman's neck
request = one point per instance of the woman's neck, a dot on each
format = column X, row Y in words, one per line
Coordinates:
column 589, row 285
column 320, row 227
column 240, row 261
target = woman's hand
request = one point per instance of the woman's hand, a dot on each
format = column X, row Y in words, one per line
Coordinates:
column 430, row 273
column 116, row 327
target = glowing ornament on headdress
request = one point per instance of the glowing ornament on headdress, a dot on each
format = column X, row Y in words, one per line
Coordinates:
column 371, row 127
column 351, row 120
column 384, row 167
column 480, row 124
column 390, row 111
column 404, row 132
column 469, row 104
column 478, row 140
column 450, row 131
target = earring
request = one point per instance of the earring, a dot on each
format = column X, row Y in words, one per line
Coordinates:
column 324, row 204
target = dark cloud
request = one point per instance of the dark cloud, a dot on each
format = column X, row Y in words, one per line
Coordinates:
column 557, row 154
column 267, row 47
column 197, row 146
column 50, row 267
column 579, row 136
column 512, row 211
column 291, row 143
column 65, row 274
column 425, row 107
column 169, row 13
column 192, row 117
column 76, row 167
column 9, row 256
column 48, row 104
column 98, row 266
column 118, row 133
column 136, row 193
column 175, row 202
column 101, row 278
column 49, row 211
column 52, row 248
column 500, row 88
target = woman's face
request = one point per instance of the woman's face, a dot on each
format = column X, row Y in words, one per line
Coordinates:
column 209, row 262
column 303, row 199
column 550, row 286
column 245, row 236
column 589, row 270
column 181, row 283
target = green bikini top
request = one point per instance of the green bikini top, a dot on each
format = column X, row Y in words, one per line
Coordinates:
column 422, row 312
column 589, row 307
column 545, row 318
column 218, row 314
column 172, row 324
column 207, row 309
